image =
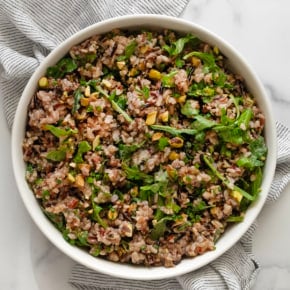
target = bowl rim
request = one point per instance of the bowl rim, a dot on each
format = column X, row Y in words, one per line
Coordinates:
column 124, row 270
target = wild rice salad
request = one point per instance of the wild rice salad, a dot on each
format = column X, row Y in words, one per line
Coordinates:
column 142, row 147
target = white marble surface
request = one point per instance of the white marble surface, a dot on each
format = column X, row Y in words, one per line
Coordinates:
column 260, row 30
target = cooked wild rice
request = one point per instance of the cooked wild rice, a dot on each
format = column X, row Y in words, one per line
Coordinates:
column 141, row 146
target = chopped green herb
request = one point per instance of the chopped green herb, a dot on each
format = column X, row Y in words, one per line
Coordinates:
column 56, row 155
column 64, row 66
column 133, row 173
column 162, row 143
column 96, row 213
column 207, row 58
column 59, row 132
column 168, row 79
column 29, row 167
column 83, row 147
column 160, row 228
column 235, row 219
column 225, row 181
column 189, row 110
column 56, row 219
column 173, row 131
column 126, row 151
column 145, row 92
column 177, row 47
column 129, row 50
column 77, row 97
column 115, row 106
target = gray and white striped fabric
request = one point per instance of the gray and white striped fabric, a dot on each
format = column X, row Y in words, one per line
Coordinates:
column 235, row 270
column 29, row 30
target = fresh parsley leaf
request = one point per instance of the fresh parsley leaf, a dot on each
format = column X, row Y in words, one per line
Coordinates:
column 201, row 123
column 126, row 151
column 115, row 105
column 177, row 47
column 160, row 228
column 64, row 66
column 145, row 92
column 59, row 132
column 133, row 173
column 56, row 219
column 258, row 147
column 235, row 219
column 249, row 162
column 179, row 62
column 96, row 213
column 162, row 143
column 129, row 50
column 226, row 182
column 83, row 147
column 207, row 58
column 29, row 167
column 167, row 80
column 256, row 184
column 77, row 97
column 189, row 110
column 231, row 134
column 245, row 118
column 56, row 155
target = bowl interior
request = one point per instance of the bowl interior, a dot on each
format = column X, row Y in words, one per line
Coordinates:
column 230, row 237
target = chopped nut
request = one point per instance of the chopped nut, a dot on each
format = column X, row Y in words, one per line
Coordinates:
column 80, row 182
column 154, row 74
column 133, row 72
column 85, row 102
column 173, row 155
column 151, row 118
column 121, row 64
column 181, row 99
column 195, row 61
column 70, row 177
column 176, row 142
column 156, row 136
column 106, row 83
column 144, row 49
column 112, row 214
column 236, row 195
column 126, row 229
column 216, row 50
column 134, row 191
column 164, row 116
column 94, row 95
column 43, row 82
column 87, row 91
column 84, row 166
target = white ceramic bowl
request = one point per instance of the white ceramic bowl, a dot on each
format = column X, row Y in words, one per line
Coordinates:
column 230, row 237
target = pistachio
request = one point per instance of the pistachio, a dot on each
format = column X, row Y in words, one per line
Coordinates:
column 176, row 142
column 43, row 82
column 112, row 214
column 154, row 74
column 151, row 118
column 173, row 155
column 164, row 116
column 156, row 136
